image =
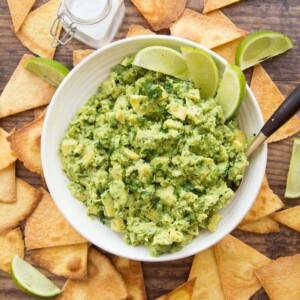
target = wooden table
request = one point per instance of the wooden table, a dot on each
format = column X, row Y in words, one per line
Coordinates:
column 250, row 15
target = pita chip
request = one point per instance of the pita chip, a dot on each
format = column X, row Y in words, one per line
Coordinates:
column 236, row 263
column 135, row 30
column 35, row 31
column 26, row 144
column 211, row 5
column 269, row 98
column 289, row 217
column 281, row 278
column 24, row 91
column 183, row 292
column 132, row 273
column 103, row 282
column 79, row 55
column 265, row 204
column 160, row 13
column 208, row 283
column 263, row 225
column 46, row 227
column 7, row 156
column 19, row 11
column 8, row 189
column 210, row 30
column 69, row 261
column 11, row 243
column 11, row 214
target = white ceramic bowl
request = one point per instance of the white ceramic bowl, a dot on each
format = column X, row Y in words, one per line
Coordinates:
column 75, row 90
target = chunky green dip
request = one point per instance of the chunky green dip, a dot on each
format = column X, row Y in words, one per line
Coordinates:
column 152, row 159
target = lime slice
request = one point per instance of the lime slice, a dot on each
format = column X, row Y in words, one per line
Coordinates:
column 231, row 90
column 50, row 70
column 259, row 46
column 164, row 60
column 293, row 179
column 203, row 69
column 30, row 280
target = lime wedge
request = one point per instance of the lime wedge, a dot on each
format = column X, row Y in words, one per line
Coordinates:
column 50, row 70
column 259, row 46
column 293, row 178
column 30, row 280
column 231, row 90
column 203, row 69
column 164, row 60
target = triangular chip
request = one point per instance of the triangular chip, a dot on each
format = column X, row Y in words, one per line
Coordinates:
column 19, row 11
column 236, row 263
column 160, row 14
column 289, row 217
column 11, row 214
column 263, row 225
column 79, row 55
column 46, row 227
column 227, row 51
column 135, row 30
column 26, row 143
column 281, row 278
column 183, row 292
column 208, row 283
column 35, row 31
column 103, row 281
column 8, row 189
column 11, row 243
column 269, row 98
column 211, row 5
column 24, row 91
column 208, row 30
column 69, row 261
column 7, row 156
column 265, row 204
column 38, row 111
column 132, row 273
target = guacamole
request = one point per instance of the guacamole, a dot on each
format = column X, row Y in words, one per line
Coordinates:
column 151, row 159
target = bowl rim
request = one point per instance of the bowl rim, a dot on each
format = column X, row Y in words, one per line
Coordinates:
column 47, row 176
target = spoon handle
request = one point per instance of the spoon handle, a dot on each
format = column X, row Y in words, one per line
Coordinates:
column 284, row 112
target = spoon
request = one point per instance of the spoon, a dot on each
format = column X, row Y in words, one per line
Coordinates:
column 284, row 112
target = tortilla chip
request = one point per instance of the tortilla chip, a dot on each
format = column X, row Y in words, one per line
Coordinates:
column 8, row 190
column 227, row 51
column 160, row 14
column 46, row 227
column 211, row 5
column 265, row 204
column 79, row 55
column 11, row 214
column 11, row 243
column 236, row 263
column 281, row 278
column 26, row 143
column 263, row 225
column 208, row 283
column 269, row 98
column 183, row 292
column 210, row 30
column 38, row 111
column 19, row 11
column 135, row 30
column 35, row 31
column 69, row 261
column 24, row 91
column 132, row 274
column 7, row 156
column 289, row 217
column 103, row 282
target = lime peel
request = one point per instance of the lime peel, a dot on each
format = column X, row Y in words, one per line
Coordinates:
column 32, row 281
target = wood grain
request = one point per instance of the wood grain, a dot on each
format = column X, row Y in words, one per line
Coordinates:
column 250, row 15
